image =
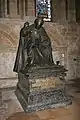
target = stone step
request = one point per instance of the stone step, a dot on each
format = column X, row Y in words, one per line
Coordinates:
column 7, row 88
column 6, row 83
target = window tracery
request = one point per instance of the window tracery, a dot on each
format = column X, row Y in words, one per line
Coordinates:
column 43, row 9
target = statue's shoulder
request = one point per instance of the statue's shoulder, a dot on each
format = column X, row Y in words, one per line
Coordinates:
column 21, row 29
column 31, row 26
column 42, row 29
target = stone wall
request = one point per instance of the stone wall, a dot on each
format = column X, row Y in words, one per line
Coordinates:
column 67, row 41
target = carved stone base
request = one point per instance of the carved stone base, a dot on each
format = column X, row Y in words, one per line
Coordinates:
column 41, row 88
column 44, row 99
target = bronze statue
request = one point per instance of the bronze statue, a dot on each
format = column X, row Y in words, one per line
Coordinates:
column 34, row 47
column 34, row 62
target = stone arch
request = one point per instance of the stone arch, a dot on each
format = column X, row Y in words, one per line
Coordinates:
column 7, row 32
column 8, row 36
column 53, row 32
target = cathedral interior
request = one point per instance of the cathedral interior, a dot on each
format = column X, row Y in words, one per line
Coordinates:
column 62, row 25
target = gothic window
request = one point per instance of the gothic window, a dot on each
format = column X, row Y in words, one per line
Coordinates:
column 8, row 7
column 43, row 9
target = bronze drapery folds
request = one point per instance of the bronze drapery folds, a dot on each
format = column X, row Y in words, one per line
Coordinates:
column 34, row 47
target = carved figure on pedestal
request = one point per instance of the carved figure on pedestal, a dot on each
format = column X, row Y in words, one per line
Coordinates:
column 34, row 63
column 34, row 47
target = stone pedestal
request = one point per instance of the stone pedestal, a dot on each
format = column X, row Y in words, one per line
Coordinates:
column 41, row 88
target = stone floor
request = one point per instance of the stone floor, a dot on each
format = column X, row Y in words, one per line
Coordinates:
column 54, row 114
column 15, row 112
column 12, row 110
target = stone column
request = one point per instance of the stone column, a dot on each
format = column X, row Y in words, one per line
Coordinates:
column 58, row 11
column 31, row 8
column 2, row 8
column 54, row 11
column 0, row 98
column 61, row 10
column 30, row 11
column 13, row 8
column 6, row 8
column 26, row 7
column 71, row 10
column 22, row 8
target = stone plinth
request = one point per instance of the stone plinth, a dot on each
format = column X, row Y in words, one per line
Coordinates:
column 41, row 88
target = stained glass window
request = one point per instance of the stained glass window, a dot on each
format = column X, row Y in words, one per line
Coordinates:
column 43, row 9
